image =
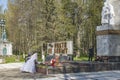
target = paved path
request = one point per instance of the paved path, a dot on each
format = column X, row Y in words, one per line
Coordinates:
column 10, row 65
column 104, row 75
column 11, row 71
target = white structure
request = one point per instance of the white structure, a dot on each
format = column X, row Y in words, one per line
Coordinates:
column 107, row 13
column 29, row 66
column 5, row 45
column 108, row 34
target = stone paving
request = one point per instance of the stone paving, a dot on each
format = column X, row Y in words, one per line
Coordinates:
column 104, row 75
column 11, row 71
column 10, row 65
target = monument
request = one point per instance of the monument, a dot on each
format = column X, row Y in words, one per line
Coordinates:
column 108, row 34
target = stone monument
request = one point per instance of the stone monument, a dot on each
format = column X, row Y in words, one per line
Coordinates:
column 107, row 14
column 108, row 34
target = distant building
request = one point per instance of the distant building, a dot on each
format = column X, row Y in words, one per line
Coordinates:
column 5, row 45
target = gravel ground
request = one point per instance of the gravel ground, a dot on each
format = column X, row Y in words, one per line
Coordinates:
column 15, row 74
column 12, row 72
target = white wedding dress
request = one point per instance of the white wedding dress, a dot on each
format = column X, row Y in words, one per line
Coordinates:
column 29, row 66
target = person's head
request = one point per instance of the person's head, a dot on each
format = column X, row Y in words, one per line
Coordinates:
column 30, row 53
column 90, row 46
column 53, row 56
column 34, row 52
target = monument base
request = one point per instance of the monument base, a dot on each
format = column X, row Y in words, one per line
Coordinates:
column 108, row 58
column 108, row 45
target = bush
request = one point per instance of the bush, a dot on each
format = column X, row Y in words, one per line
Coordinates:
column 13, row 58
column 9, row 59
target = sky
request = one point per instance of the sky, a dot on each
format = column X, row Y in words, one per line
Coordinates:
column 4, row 4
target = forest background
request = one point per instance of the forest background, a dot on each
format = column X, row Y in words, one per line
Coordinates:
column 32, row 23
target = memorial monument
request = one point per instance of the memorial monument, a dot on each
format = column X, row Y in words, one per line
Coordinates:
column 108, row 33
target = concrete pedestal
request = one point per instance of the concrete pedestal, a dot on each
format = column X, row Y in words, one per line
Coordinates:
column 108, row 45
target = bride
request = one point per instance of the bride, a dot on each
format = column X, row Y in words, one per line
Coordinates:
column 30, row 65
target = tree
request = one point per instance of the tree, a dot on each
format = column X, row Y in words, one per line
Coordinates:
column 30, row 23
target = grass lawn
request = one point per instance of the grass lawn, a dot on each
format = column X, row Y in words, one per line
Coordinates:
column 81, row 58
column 11, row 59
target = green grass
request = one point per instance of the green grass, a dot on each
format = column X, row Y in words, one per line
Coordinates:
column 12, row 58
column 9, row 59
column 81, row 59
